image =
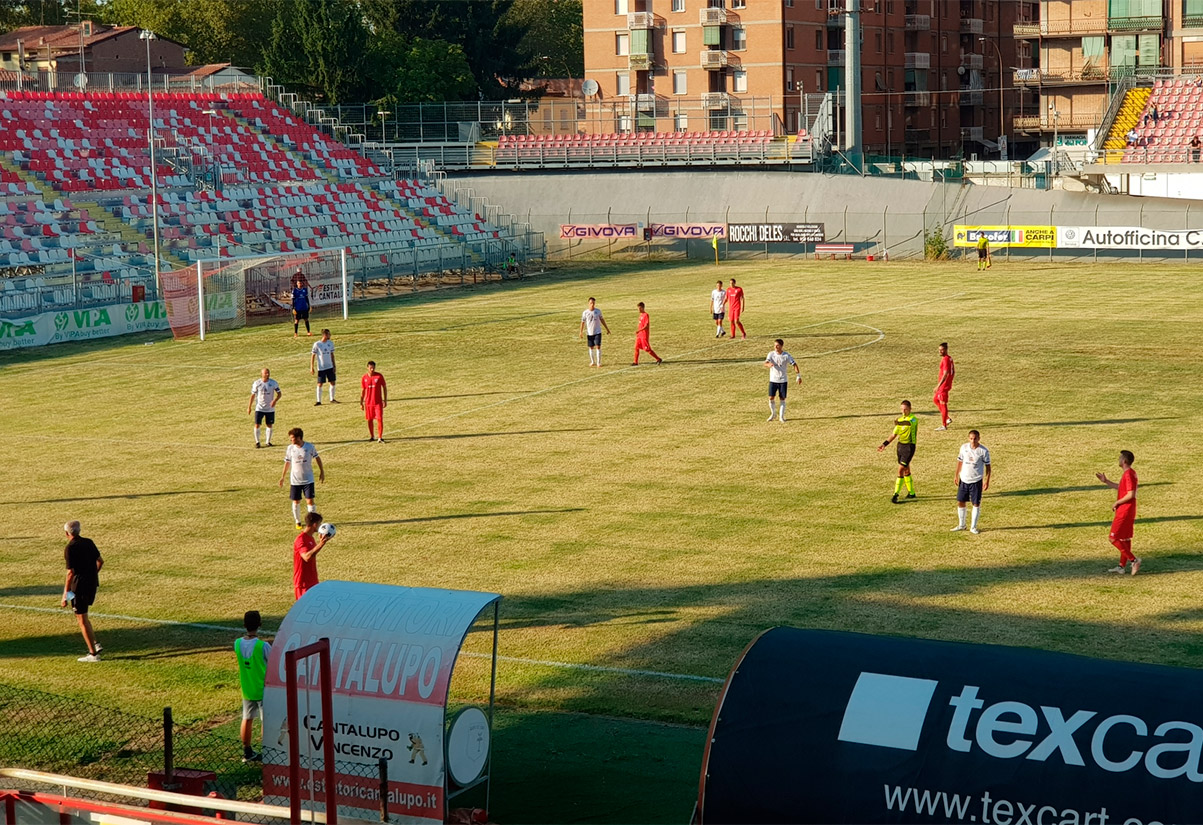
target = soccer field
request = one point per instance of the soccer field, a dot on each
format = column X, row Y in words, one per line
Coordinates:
column 634, row 518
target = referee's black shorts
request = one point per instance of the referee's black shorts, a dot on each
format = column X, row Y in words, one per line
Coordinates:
column 905, row 453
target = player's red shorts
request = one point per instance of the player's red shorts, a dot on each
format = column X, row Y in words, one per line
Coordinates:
column 1122, row 528
column 940, row 395
column 373, row 411
column 734, row 311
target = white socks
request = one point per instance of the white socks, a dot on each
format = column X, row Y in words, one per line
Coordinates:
column 296, row 512
column 599, row 356
column 961, row 516
column 269, row 434
column 331, row 390
column 973, row 519
column 781, row 412
column 312, row 508
column 319, row 393
column 772, row 408
column 269, row 438
column 594, row 356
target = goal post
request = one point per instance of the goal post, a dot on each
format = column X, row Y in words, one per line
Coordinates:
column 219, row 293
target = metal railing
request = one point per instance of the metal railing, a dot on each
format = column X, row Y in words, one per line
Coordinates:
column 126, row 82
column 539, row 156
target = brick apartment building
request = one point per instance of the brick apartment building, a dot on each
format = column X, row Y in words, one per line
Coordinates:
column 1085, row 48
column 930, row 68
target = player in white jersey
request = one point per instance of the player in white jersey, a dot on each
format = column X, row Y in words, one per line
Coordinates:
column 972, row 479
column 779, row 361
column 592, row 324
column 718, row 307
column 321, row 362
column 265, row 392
column 298, row 469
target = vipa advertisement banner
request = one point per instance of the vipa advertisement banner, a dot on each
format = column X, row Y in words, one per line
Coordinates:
column 776, row 233
column 1020, row 237
column 689, row 231
column 1128, row 237
column 81, row 324
column 391, row 655
column 818, row 726
column 598, row 231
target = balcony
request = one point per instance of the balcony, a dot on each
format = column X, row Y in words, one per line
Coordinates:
column 916, row 99
column 1192, row 21
column 836, row 57
column 1073, row 26
column 917, row 60
column 1026, row 28
column 643, row 102
column 1073, row 75
column 712, row 17
column 641, row 20
column 1026, row 77
column 1063, row 123
column 641, row 62
column 971, row 133
column 716, row 59
column 972, row 61
column 971, row 25
column 971, row 97
column 1135, row 24
column 916, row 135
column 716, row 100
column 918, row 22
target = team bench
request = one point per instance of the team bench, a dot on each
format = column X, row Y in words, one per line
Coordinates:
column 833, row 249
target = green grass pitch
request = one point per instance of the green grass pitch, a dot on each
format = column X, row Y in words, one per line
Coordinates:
column 634, row 518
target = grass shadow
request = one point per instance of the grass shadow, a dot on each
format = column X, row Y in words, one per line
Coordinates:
column 119, row 496
column 453, row 516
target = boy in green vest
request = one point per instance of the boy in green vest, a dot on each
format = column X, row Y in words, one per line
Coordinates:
column 252, row 655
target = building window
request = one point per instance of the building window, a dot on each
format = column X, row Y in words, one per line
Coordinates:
column 680, row 82
column 943, row 43
column 715, row 4
column 622, row 43
column 789, row 37
column 877, row 41
column 624, row 123
column 889, row 42
column 679, row 41
column 739, row 81
column 877, row 121
column 739, row 4
column 623, row 84
column 818, row 80
column 681, row 122
column 620, row 6
column 739, row 121
column 678, row 5
column 789, row 79
column 739, row 39
column 819, row 40
column 712, row 36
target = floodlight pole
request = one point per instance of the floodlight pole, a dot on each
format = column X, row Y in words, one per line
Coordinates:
column 852, row 91
column 147, row 35
column 1001, row 120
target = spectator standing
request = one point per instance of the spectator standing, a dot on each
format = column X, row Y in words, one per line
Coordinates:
column 252, row 653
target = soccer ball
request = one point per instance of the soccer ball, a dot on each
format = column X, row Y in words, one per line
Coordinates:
column 326, row 529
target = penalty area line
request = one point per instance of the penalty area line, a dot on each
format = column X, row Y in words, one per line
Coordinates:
column 620, row 671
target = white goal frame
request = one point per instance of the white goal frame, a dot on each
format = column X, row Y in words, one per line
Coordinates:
column 226, row 260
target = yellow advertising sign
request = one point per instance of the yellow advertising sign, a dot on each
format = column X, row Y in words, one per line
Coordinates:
column 1026, row 237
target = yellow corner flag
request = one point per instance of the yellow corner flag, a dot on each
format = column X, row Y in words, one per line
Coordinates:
column 714, row 243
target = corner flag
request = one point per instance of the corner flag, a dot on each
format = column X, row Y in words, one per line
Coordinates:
column 714, row 243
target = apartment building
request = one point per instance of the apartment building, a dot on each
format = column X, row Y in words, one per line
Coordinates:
column 1085, row 49
column 931, row 69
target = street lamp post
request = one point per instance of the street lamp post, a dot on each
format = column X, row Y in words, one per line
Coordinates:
column 1001, row 120
column 147, row 35
column 1056, row 116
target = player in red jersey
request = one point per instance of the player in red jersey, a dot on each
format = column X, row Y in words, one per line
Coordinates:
column 373, row 398
column 304, row 555
column 643, row 338
column 1125, row 512
column 943, row 385
column 735, row 306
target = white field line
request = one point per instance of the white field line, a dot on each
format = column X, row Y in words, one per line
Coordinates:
column 523, row 397
column 621, row 671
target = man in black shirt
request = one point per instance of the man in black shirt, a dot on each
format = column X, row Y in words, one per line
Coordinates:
column 83, row 577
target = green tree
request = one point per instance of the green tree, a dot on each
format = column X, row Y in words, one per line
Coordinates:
column 320, row 46
column 215, row 31
column 554, row 35
column 432, row 70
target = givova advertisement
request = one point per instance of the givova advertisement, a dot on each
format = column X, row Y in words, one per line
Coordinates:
column 817, row 726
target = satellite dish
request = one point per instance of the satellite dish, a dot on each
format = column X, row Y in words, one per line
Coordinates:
column 961, row 70
column 589, row 87
column 81, row 81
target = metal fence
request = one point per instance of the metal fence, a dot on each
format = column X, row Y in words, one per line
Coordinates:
column 59, row 82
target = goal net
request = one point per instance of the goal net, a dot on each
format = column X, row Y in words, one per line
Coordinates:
column 219, row 294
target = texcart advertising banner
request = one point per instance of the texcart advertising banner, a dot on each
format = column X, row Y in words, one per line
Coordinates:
column 81, row 324
column 1022, row 237
column 776, row 233
column 820, row 726
column 1128, row 237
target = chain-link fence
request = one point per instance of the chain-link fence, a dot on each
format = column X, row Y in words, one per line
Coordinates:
column 59, row 734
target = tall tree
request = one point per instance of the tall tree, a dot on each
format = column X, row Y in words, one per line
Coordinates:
column 555, row 35
column 215, row 31
column 320, row 45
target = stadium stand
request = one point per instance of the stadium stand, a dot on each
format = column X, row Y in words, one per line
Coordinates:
column 75, row 205
column 636, row 146
column 1179, row 105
